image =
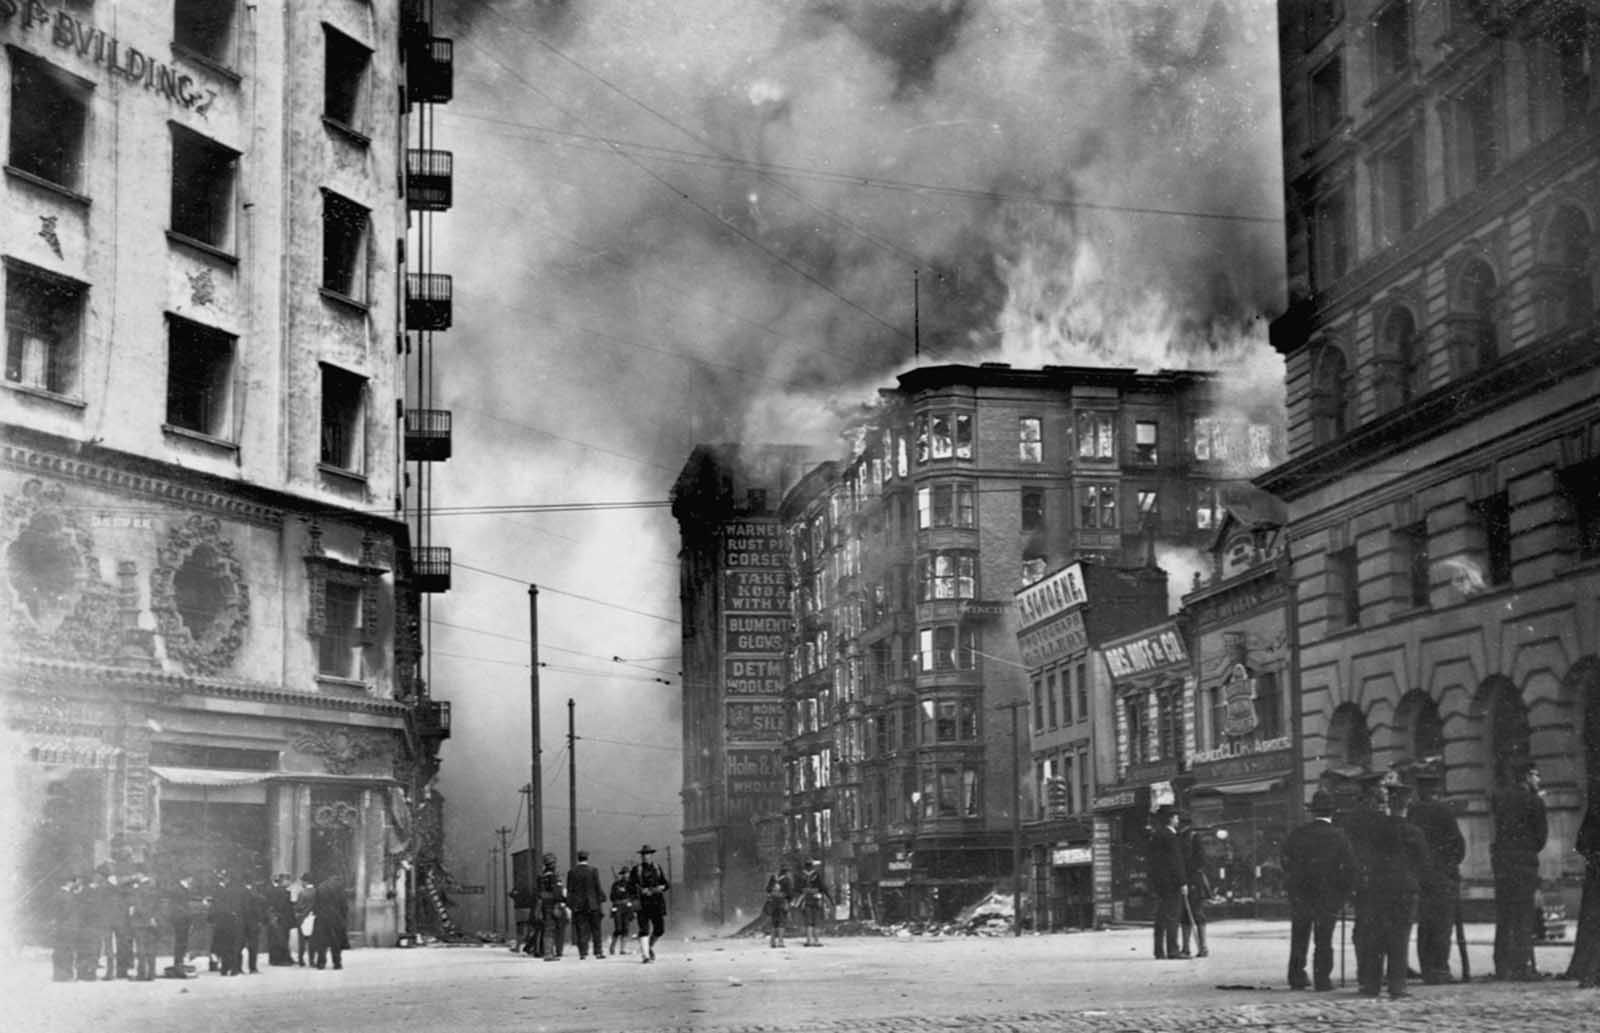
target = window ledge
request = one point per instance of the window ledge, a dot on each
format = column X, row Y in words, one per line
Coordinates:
column 350, row 134
column 344, row 300
column 44, row 184
column 200, row 437
column 195, row 244
column 210, row 64
column 334, row 681
column 339, row 473
column 45, row 395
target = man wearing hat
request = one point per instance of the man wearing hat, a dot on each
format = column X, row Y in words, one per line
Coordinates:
column 649, row 885
column 552, row 908
column 1520, row 831
column 1319, row 868
column 1440, row 882
column 1168, row 880
column 1391, row 855
column 587, row 901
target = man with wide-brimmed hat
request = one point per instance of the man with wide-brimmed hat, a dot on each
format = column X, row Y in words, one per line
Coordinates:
column 1168, row 880
column 649, row 885
column 1319, row 867
column 1440, row 882
column 1394, row 853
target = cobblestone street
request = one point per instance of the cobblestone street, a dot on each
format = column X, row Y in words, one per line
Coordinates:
column 1086, row 981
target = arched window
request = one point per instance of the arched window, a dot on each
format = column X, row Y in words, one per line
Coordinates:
column 1330, row 394
column 1349, row 741
column 1420, row 726
column 1507, row 736
column 1563, row 284
column 1402, row 360
column 1474, row 340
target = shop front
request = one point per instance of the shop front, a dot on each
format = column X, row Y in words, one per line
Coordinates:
column 1063, row 880
column 1241, row 808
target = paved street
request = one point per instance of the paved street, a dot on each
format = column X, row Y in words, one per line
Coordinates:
column 1084, row 981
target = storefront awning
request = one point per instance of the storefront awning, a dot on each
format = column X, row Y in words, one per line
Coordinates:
column 208, row 776
column 1249, row 788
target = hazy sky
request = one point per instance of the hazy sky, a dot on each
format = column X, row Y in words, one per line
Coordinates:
column 696, row 220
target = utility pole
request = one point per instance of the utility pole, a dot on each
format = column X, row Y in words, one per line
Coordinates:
column 504, row 890
column 535, row 795
column 572, row 789
column 1016, row 815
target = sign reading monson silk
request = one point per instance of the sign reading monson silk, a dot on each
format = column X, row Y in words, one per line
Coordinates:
column 91, row 43
column 1044, row 599
column 1160, row 648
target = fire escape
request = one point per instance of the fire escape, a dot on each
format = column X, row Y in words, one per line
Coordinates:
column 427, row 178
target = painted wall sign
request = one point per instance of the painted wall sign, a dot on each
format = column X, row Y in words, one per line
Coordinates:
column 1063, row 856
column 982, row 609
column 122, row 62
column 755, row 721
column 1162, row 648
column 745, row 676
column 1044, row 599
column 755, row 781
column 1060, row 639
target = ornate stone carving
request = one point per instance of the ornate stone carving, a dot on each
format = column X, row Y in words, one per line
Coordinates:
column 342, row 750
column 57, row 603
column 196, row 549
column 47, row 232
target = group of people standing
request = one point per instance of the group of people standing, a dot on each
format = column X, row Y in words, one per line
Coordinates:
column 637, row 891
column 110, row 926
column 1398, row 862
column 1181, row 887
column 807, row 892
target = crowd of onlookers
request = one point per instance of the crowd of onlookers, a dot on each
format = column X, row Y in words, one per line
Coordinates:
column 114, row 926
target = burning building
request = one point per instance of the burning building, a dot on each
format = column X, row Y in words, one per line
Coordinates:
column 211, row 620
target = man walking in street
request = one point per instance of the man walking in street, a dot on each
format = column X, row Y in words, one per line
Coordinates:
column 1439, row 884
column 1520, row 831
column 1168, row 881
column 330, row 933
column 649, row 886
column 623, row 905
column 587, row 901
column 1319, row 868
column 552, row 908
column 1393, row 853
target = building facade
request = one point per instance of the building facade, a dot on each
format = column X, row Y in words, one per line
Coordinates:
column 735, row 582
column 212, row 635
column 1442, row 184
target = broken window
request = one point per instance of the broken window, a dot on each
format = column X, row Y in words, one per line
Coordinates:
column 1144, row 442
column 43, row 316
column 1030, row 434
column 343, row 394
column 345, row 82
column 338, row 647
column 1097, row 507
column 344, row 246
column 205, row 28
column 199, row 378
column 202, row 188
column 1096, row 439
column 49, row 120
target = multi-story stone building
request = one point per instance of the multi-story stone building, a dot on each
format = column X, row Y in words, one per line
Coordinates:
column 735, row 583
column 212, row 640
column 1443, row 188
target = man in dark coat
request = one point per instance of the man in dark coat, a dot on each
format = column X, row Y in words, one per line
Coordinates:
column 649, row 885
column 1168, row 880
column 1439, row 884
column 552, row 908
column 1520, row 831
column 587, row 901
column 1393, row 852
column 1585, row 963
column 1319, row 867
column 180, row 904
column 330, row 934
column 1194, row 910
column 623, row 905
column 813, row 890
column 252, row 920
column 227, row 923
column 280, row 920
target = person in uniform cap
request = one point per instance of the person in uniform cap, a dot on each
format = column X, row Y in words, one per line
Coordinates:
column 623, row 905
column 1439, row 884
column 1319, row 866
column 1168, row 880
column 780, row 888
column 813, row 891
column 649, row 885
column 552, row 908
column 587, row 901
column 1520, row 831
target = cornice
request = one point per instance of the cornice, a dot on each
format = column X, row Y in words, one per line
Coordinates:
column 23, row 675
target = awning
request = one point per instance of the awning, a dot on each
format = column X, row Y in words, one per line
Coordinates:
column 208, row 776
column 1250, row 788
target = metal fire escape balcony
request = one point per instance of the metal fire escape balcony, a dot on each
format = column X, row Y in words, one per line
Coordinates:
column 429, row 180
column 427, row 435
column 430, row 569
column 430, row 71
column 433, row 719
column 428, row 301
